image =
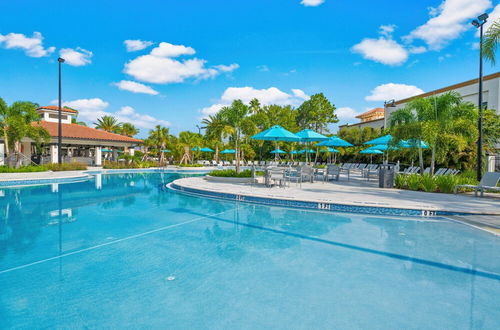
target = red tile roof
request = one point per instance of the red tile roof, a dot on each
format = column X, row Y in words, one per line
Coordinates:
column 75, row 131
column 369, row 112
column 56, row 108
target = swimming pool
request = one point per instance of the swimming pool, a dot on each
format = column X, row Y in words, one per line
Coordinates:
column 120, row 250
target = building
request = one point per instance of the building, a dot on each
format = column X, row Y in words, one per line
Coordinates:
column 469, row 90
column 373, row 118
column 79, row 143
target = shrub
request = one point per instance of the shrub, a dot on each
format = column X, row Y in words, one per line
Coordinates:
column 414, row 181
column 124, row 165
column 190, row 165
column 231, row 174
column 400, row 181
column 428, row 183
column 74, row 166
column 23, row 169
column 446, row 183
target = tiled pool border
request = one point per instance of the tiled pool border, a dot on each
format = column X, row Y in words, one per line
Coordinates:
column 333, row 207
column 29, row 182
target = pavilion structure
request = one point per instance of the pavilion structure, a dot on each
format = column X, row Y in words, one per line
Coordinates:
column 79, row 143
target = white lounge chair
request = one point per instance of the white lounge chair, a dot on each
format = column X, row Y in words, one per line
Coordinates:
column 488, row 182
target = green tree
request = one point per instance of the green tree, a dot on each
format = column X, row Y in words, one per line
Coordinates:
column 186, row 142
column 129, row 130
column 491, row 40
column 108, row 124
column 442, row 121
column 75, row 121
column 316, row 113
column 19, row 122
column 216, row 130
column 239, row 124
column 159, row 137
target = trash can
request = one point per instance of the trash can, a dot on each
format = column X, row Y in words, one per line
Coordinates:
column 36, row 159
column 386, row 176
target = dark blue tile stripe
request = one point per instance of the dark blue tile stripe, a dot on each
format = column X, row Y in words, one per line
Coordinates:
column 333, row 207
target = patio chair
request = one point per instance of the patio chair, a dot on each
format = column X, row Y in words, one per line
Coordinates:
column 276, row 175
column 427, row 170
column 440, row 171
column 307, row 173
column 488, row 182
column 332, row 171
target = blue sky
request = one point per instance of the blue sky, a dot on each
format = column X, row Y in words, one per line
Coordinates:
column 199, row 55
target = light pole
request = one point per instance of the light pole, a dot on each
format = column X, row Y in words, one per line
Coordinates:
column 478, row 23
column 59, row 123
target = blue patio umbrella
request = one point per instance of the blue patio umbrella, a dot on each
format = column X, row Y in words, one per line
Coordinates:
column 166, row 150
column 308, row 135
column 278, row 151
column 196, row 149
column 206, row 149
column 383, row 147
column 386, row 139
column 106, row 150
column 228, row 151
column 371, row 151
column 308, row 151
column 334, row 141
column 329, row 149
column 413, row 144
column 276, row 133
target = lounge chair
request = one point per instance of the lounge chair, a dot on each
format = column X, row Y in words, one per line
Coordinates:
column 488, row 182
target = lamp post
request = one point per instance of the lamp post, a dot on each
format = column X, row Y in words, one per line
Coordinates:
column 59, row 123
column 478, row 23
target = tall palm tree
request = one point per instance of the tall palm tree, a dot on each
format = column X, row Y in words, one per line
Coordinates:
column 491, row 41
column 108, row 124
column 160, row 136
column 5, row 113
column 441, row 121
column 19, row 125
column 236, row 118
column 187, row 140
column 215, row 130
column 129, row 130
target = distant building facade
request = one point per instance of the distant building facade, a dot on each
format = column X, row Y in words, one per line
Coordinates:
column 469, row 90
column 373, row 118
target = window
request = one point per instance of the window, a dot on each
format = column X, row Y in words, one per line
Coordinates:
column 63, row 117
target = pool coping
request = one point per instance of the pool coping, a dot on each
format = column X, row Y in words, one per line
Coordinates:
column 319, row 205
column 77, row 176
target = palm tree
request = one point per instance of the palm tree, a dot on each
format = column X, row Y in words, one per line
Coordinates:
column 215, row 130
column 441, row 121
column 5, row 113
column 159, row 136
column 187, row 140
column 236, row 118
column 129, row 130
column 18, row 124
column 491, row 40
column 108, row 124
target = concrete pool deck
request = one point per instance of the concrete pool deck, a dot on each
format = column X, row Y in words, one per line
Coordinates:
column 355, row 193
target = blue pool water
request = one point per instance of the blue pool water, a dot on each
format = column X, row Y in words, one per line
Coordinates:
column 120, row 251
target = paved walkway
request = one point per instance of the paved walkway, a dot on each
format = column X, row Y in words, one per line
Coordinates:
column 41, row 175
column 356, row 192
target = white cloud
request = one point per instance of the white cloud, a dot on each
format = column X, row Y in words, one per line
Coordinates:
column 91, row 109
column 135, row 87
column 387, row 30
column 76, row 57
column 448, row 21
column 227, row 68
column 32, row 47
column 267, row 96
column 211, row 110
column 159, row 66
column 346, row 114
column 311, row 3
column 393, row 91
column 417, row 50
column 382, row 50
column 263, row 68
column 135, row 45
column 166, row 49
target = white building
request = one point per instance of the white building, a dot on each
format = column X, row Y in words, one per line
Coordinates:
column 468, row 89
